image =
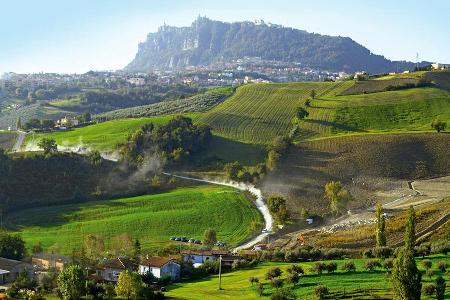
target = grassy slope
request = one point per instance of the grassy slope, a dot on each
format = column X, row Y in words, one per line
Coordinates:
column 394, row 111
column 236, row 285
column 151, row 218
column 7, row 139
column 259, row 112
column 102, row 136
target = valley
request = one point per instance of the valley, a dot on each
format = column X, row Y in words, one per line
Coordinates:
column 228, row 160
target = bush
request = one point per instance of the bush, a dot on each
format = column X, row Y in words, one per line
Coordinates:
column 210, row 267
column 423, row 250
column 331, row 267
column 293, row 278
column 429, row 273
column 260, row 289
column 273, row 273
column 333, row 253
column 290, row 256
column 239, row 264
column 295, row 269
column 253, row 280
column 440, row 247
column 349, row 266
column 382, row 252
column 440, row 288
column 321, row 291
column 283, row 294
column 371, row 264
column 276, row 283
column 367, row 253
column 442, row 266
column 429, row 289
column 427, row 264
column 319, row 267
column 388, row 264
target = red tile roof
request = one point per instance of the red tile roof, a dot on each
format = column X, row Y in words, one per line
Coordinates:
column 157, row 261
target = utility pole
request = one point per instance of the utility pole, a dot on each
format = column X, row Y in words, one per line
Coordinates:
column 220, row 272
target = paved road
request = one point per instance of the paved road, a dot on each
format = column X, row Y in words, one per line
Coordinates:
column 260, row 205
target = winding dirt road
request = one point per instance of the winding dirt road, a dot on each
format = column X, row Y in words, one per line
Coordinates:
column 259, row 203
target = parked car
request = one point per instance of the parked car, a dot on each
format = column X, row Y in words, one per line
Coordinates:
column 178, row 239
column 191, row 241
column 198, row 242
column 172, row 238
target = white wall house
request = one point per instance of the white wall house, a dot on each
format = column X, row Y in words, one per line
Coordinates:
column 160, row 267
column 198, row 257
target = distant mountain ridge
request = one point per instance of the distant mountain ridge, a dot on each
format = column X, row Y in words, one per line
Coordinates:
column 206, row 42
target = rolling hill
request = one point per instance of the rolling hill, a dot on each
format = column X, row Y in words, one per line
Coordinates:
column 102, row 136
column 184, row 212
column 258, row 113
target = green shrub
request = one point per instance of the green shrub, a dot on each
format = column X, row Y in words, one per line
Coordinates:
column 349, row 266
column 321, row 291
column 371, row 264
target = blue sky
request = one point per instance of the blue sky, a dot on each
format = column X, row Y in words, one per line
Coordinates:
column 81, row 35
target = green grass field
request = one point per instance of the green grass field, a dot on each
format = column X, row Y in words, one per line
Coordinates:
column 151, row 218
column 103, row 136
column 257, row 113
column 394, row 111
column 361, row 284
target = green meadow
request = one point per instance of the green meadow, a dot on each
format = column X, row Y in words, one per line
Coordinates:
column 102, row 136
column 356, row 285
column 151, row 218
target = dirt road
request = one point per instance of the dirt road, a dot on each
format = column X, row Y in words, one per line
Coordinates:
column 259, row 203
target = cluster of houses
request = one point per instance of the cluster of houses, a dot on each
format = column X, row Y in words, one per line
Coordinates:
column 108, row 270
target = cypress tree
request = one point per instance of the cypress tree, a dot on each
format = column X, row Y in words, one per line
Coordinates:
column 410, row 230
column 406, row 278
column 380, row 232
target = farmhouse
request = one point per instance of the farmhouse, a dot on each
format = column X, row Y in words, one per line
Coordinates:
column 110, row 269
column 10, row 269
column 198, row 257
column 66, row 122
column 46, row 261
column 161, row 267
column 201, row 256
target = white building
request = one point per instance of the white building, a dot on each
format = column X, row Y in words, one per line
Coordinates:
column 160, row 267
column 438, row 66
column 137, row 81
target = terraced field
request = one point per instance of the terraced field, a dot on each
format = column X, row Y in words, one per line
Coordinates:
column 258, row 113
column 151, row 218
column 103, row 136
